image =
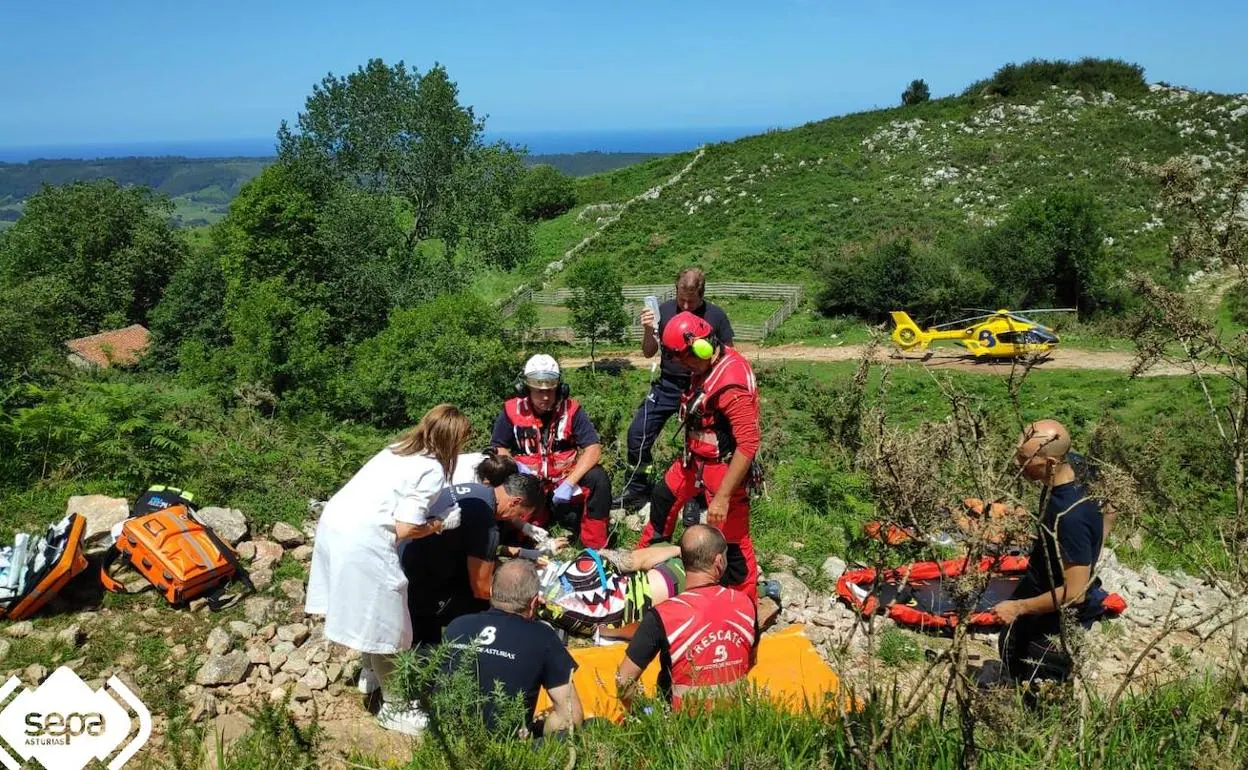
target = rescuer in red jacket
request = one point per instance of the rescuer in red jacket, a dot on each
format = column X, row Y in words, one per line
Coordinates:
column 719, row 413
column 705, row 637
column 545, row 429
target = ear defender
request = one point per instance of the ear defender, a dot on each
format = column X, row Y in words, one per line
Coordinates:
column 702, row 348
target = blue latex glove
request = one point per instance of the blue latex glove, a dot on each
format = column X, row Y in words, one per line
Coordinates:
column 565, row 492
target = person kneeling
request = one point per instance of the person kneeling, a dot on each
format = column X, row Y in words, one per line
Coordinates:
column 516, row 654
column 706, row 636
column 546, row 430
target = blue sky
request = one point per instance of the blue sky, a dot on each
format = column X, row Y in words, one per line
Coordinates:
column 82, row 71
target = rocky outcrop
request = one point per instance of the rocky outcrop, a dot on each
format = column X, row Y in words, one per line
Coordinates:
column 101, row 513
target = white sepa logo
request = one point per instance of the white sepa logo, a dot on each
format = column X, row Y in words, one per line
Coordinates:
column 64, row 724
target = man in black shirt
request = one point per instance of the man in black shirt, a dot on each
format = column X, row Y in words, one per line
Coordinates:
column 1063, row 556
column 517, row 654
column 449, row 574
column 663, row 400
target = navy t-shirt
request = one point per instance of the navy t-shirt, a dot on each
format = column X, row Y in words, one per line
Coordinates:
column 520, row 655
column 437, row 566
column 583, row 432
column 712, row 313
column 1071, row 531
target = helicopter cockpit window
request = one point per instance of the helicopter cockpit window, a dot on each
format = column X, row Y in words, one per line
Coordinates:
column 1027, row 337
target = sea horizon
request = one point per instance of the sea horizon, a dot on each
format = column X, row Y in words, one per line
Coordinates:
column 657, row 140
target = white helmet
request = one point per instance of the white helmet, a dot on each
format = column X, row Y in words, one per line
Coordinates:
column 541, row 371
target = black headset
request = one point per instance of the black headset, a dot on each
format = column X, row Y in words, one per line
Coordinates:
column 521, row 389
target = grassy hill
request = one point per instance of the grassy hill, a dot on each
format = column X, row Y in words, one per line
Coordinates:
column 772, row 207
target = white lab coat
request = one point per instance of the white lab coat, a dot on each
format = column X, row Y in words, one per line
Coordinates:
column 466, row 468
column 356, row 580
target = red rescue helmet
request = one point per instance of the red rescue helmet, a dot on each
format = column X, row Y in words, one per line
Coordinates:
column 689, row 332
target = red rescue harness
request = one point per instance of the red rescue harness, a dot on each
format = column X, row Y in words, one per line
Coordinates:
column 708, row 434
column 553, row 457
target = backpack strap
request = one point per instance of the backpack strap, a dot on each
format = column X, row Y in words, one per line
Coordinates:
column 602, row 573
column 110, row 583
column 230, row 557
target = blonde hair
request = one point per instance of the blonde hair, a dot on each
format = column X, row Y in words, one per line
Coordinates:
column 441, row 433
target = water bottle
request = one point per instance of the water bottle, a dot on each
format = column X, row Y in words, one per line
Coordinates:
column 652, row 302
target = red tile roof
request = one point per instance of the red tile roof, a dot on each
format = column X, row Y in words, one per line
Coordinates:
column 119, row 346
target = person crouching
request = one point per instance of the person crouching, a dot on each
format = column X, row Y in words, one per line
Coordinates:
column 545, row 429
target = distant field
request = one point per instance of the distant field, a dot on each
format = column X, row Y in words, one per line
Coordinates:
column 202, row 188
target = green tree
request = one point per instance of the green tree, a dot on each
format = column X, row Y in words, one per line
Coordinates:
column 449, row 349
column 523, row 323
column 915, row 93
column 281, row 346
column 104, row 253
column 897, row 275
column 1048, row 251
column 396, row 131
column 545, row 193
column 597, row 303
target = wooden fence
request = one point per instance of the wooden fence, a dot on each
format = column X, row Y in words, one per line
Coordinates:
column 789, row 294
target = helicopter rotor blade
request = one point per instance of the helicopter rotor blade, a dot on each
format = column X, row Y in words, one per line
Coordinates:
column 963, row 322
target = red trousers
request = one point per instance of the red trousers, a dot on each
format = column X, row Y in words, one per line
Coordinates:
column 681, row 484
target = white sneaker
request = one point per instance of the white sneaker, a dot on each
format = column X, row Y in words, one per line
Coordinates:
column 406, row 718
column 368, row 682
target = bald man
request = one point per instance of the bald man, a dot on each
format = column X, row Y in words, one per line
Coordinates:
column 705, row 636
column 516, row 654
column 1059, row 573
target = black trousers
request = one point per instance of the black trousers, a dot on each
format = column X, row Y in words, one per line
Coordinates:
column 660, row 404
column 434, row 598
column 1031, row 649
column 590, row 519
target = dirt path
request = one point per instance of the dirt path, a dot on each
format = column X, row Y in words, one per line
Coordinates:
column 941, row 358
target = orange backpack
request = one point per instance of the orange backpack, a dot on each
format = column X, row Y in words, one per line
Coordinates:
column 177, row 553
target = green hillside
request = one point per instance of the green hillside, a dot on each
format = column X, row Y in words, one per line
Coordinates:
column 772, row 207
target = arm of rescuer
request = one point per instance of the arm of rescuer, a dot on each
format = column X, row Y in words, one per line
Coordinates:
column 649, row 333
column 1075, row 579
column 741, row 409
column 585, row 463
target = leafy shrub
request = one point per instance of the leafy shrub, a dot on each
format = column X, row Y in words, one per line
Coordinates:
column 1032, row 78
column 105, row 253
column 504, row 242
column 193, row 307
column 125, row 433
column 897, row 275
column 916, row 93
column 1236, row 302
column 451, row 349
column 544, row 193
column 1049, row 251
column 280, row 346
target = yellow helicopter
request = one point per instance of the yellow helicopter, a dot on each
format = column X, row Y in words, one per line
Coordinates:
column 994, row 334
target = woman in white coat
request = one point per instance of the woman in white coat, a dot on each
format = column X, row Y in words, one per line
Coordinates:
column 356, row 580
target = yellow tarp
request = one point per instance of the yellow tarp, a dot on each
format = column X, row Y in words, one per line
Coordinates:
column 789, row 670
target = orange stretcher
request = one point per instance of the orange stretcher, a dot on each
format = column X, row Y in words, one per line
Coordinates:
column 790, row 671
